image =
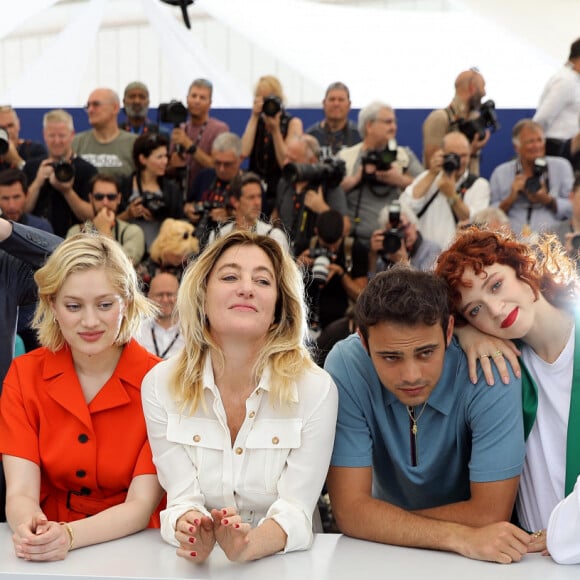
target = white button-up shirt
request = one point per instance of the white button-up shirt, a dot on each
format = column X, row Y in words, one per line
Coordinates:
column 276, row 467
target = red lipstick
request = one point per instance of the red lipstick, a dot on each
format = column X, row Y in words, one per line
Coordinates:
column 510, row 318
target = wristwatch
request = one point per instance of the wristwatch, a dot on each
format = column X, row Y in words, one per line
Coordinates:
column 191, row 149
column 453, row 200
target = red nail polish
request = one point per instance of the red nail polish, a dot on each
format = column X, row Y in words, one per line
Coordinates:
column 191, row 529
column 237, row 526
column 191, row 540
column 196, row 521
column 193, row 554
column 224, row 512
column 225, row 522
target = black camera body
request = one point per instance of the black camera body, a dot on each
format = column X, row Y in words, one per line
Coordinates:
column 393, row 237
column 451, row 163
column 173, row 113
column 155, row 203
column 534, row 183
column 63, row 170
column 272, row 105
column 4, row 141
column 476, row 127
column 203, row 206
column 330, row 172
column 575, row 241
column 382, row 159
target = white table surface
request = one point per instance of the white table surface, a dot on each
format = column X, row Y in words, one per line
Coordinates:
column 145, row 556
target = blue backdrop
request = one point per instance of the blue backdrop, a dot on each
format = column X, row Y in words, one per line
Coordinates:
column 410, row 121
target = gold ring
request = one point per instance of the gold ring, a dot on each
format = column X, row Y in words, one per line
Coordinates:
column 484, row 356
column 538, row 534
column 497, row 353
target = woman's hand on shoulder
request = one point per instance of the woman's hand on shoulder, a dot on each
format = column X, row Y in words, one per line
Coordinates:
column 195, row 533
column 486, row 349
column 41, row 540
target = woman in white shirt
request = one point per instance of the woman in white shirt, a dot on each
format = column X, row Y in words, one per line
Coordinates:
column 241, row 422
column 511, row 290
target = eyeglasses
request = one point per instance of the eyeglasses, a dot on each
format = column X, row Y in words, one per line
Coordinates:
column 96, row 104
column 101, row 196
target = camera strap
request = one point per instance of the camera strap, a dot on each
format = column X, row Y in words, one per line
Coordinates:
column 426, row 206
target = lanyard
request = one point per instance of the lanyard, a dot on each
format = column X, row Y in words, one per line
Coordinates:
column 164, row 353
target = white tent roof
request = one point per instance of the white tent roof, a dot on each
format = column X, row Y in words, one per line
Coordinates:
column 404, row 52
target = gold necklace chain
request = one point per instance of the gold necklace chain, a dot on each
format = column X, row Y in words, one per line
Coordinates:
column 411, row 413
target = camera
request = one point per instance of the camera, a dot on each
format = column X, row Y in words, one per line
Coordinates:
column 4, row 141
column 393, row 237
column 272, row 105
column 451, row 163
column 534, row 183
column 63, row 170
column 206, row 224
column 382, row 159
column 202, row 206
column 320, row 269
column 487, row 120
column 575, row 241
column 173, row 112
column 330, row 172
column 155, row 203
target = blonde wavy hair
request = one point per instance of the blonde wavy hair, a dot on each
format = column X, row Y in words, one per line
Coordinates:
column 79, row 253
column 284, row 349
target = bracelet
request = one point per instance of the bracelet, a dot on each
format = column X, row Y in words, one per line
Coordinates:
column 71, row 536
column 453, row 200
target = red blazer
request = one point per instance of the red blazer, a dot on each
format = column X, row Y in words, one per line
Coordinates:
column 87, row 453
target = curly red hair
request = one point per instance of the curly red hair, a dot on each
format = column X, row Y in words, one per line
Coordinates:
column 545, row 267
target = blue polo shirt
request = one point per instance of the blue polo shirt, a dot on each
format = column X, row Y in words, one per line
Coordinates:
column 466, row 433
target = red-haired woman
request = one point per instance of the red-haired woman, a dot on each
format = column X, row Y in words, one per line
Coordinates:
column 513, row 291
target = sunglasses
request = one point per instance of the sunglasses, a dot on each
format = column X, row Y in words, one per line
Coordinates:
column 101, row 196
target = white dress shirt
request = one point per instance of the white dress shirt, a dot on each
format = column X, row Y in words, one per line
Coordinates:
column 564, row 529
column 559, row 108
column 276, row 467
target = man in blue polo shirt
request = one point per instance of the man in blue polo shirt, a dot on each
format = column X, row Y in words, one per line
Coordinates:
column 422, row 457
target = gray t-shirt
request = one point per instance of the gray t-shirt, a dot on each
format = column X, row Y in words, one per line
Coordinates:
column 114, row 157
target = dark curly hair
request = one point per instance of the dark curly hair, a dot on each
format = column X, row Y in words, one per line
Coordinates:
column 145, row 145
column 402, row 295
column 544, row 266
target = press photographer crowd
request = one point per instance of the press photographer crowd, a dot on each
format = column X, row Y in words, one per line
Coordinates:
column 352, row 210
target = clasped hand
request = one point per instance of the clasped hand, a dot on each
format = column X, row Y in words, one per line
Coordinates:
column 41, row 540
column 197, row 534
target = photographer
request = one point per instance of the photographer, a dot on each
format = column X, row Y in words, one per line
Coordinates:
column 149, row 197
column 105, row 145
column 135, row 107
column 105, row 197
column 206, row 204
column 267, row 134
column 532, row 189
column 568, row 231
column 246, row 203
column 447, row 192
column 465, row 107
column 377, row 170
column 400, row 241
column 59, row 185
column 192, row 140
column 306, row 189
column 337, row 270
column 14, row 151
